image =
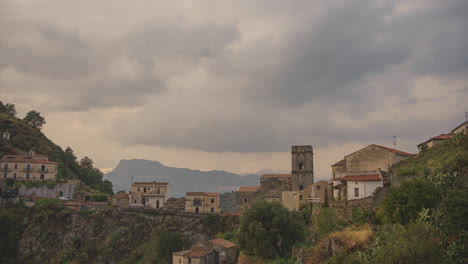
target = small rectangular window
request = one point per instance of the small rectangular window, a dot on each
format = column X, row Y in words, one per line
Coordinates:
column 356, row 192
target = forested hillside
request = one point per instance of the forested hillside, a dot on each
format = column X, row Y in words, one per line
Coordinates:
column 25, row 135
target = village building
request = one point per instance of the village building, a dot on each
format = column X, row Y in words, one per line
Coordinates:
column 202, row 202
column 360, row 173
column 283, row 188
column 244, row 196
column 215, row 251
column 149, row 194
column 175, row 204
column 28, row 167
column 226, row 252
column 198, row 254
column 320, row 192
column 433, row 141
column 120, row 200
column 462, row 129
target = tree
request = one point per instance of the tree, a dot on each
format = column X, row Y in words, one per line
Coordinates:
column 34, row 119
column 414, row 243
column 403, row 204
column 269, row 230
column 10, row 109
column 87, row 163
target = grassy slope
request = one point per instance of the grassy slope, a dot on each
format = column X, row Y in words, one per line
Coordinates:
column 449, row 156
column 24, row 138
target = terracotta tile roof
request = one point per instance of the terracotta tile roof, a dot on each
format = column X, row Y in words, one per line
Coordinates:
column 340, row 163
column 173, row 200
column 389, row 149
column 28, row 161
column 394, row 150
column 181, row 253
column 439, row 137
column 371, row 177
column 248, row 188
column 222, row 242
column 198, row 253
column 202, row 194
column 150, row 183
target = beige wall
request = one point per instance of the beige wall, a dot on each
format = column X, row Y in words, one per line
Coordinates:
column 35, row 172
column 365, row 188
column 369, row 158
column 209, row 204
column 150, row 194
column 179, row 259
column 321, row 190
column 244, row 200
column 337, row 168
column 124, row 202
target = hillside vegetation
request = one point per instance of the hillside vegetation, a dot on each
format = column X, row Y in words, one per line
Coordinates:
column 447, row 156
column 24, row 138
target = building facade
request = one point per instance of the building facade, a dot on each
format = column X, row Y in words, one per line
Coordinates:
column 120, row 200
column 149, row 194
column 202, row 202
column 361, row 172
column 283, row 188
column 28, row 168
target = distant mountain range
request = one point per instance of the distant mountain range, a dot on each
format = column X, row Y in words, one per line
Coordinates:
column 182, row 180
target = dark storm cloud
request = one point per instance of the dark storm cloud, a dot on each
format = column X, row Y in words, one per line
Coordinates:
column 270, row 75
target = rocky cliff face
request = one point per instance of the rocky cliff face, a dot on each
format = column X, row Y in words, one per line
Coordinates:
column 108, row 236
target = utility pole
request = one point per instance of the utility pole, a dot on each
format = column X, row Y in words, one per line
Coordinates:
column 394, row 142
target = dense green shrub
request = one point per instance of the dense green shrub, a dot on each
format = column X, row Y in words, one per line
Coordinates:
column 327, row 221
column 403, row 204
column 269, row 230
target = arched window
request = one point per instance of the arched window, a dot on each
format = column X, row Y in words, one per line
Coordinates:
column 197, row 210
column 5, row 167
column 301, row 166
column 246, row 200
column 157, row 204
column 5, row 175
column 212, row 209
column 301, row 187
column 27, row 176
column 42, row 176
column 212, row 200
column 14, row 175
column 28, row 167
column 16, row 166
column 42, row 167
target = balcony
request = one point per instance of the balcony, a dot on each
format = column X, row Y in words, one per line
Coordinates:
column 5, row 170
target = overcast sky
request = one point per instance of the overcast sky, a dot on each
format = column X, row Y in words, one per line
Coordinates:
column 233, row 84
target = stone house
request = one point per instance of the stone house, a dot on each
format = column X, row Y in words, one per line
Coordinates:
column 198, row 254
column 282, row 188
column 462, row 129
column 244, row 196
column 320, row 192
column 150, row 194
column 216, row 251
column 202, row 202
column 28, row 167
column 226, row 251
column 433, row 141
column 175, row 204
column 120, row 200
column 371, row 160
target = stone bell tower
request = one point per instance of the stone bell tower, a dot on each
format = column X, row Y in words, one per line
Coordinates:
column 302, row 167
